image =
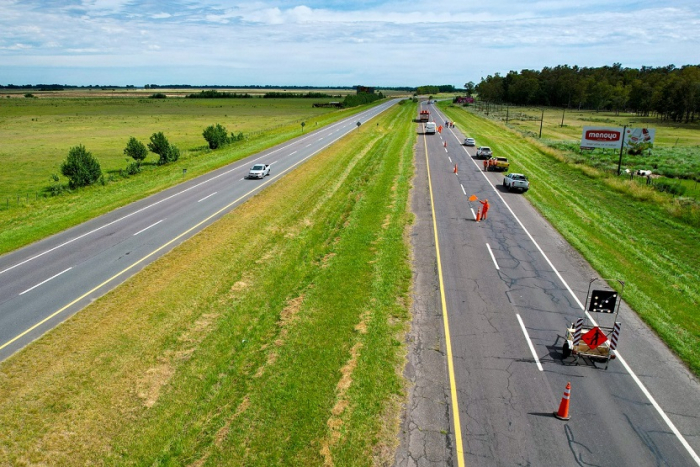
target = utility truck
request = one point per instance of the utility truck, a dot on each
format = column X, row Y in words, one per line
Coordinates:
column 424, row 116
column 498, row 164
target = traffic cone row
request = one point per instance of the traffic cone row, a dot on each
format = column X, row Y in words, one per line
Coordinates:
column 563, row 412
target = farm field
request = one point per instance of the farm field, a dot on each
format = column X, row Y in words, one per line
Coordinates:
column 625, row 231
column 37, row 133
column 104, row 126
column 189, row 363
column 676, row 150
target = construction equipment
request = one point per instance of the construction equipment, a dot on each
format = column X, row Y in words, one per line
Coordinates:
column 586, row 338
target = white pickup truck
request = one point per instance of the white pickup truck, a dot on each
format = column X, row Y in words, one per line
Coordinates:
column 516, row 182
column 259, row 171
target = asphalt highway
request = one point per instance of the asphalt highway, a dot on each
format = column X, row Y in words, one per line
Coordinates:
column 508, row 288
column 45, row 283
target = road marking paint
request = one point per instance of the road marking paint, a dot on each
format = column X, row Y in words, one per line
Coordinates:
column 529, row 342
column 168, row 243
column 629, row 370
column 493, row 257
column 309, row 144
column 292, row 153
column 463, row 190
column 448, row 342
column 44, row 282
column 445, row 149
column 208, row 196
column 449, row 159
column 152, row 225
column 472, row 209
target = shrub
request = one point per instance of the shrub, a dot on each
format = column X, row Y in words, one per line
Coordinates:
column 81, row 167
column 136, row 150
column 159, row 144
column 133, row 168
column 29, row 95
column 216, row 136
column 158, row 95
column 666, row 186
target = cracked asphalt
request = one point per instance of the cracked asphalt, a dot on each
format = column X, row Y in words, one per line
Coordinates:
column 506, row 403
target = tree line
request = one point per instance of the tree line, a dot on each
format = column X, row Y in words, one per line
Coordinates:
column 670, row 93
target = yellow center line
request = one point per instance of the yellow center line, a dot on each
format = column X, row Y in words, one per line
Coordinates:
column 448, row 341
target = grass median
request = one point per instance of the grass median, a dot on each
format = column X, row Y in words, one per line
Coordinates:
column 625, row 231
column 273, row 337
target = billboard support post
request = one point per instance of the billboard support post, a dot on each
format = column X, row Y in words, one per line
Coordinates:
column 622, row 145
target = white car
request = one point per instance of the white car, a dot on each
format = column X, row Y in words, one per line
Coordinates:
column 259, row 171
column 470, row 142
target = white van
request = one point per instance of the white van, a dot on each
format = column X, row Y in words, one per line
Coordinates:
column 430, row 128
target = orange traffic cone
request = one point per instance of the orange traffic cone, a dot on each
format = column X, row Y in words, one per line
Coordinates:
column 445, row 144
column 478, row 214
column 455, row 168
column 563, row 413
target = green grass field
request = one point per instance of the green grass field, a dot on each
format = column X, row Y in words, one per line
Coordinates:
column 213, row 356
column 37, row 133
column 625, row 231
column 266, row 122
column 676, row 150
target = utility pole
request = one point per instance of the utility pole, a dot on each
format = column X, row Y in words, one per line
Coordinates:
column 506, row 115
column 562, row 118
column 622, row 145
column 541, row 121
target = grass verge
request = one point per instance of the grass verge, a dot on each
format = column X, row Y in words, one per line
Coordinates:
column 624, row 231
column 273, row 337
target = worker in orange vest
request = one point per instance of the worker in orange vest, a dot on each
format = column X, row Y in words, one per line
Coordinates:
column 486, row 163
column 484, row 208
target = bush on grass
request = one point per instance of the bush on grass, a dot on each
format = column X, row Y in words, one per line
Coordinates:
column 81, row 168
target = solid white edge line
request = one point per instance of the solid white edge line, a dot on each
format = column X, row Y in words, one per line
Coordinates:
column 152, row 225
column 529, row 342
column 208, row 196
column 44, row 282
column 639, row 383
column 493, row 257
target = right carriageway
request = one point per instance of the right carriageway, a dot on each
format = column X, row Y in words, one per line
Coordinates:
column 509, row 287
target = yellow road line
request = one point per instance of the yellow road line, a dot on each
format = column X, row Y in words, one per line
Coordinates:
column 448, row 341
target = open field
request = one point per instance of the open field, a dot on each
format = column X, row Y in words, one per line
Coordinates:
column 625, row 231
column 212, row 356
column 676, row 149
column 37, row 133
column 270, row 120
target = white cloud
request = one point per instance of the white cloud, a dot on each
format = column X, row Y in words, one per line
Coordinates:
column 313, row 43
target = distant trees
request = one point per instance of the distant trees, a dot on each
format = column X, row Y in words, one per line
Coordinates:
column 159, row 144
column 353, row 100
column 672, row 93
column 81, row 168
column 217, row 136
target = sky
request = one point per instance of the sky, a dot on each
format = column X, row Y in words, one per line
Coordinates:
column 332, row 43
